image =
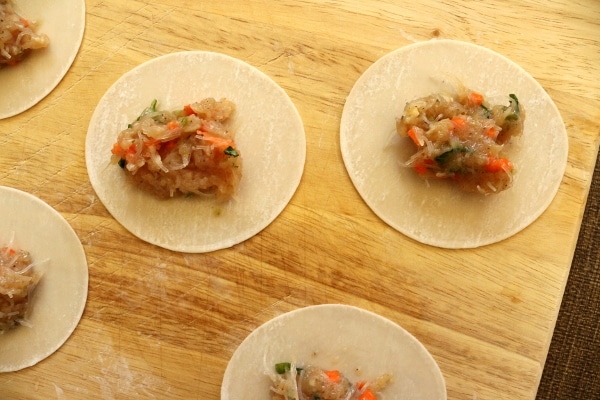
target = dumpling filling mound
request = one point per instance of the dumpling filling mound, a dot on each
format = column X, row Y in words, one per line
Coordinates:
column 17, row 36
column 462, row 138
column 17, row 282
column 188, row 151
column 312, row 383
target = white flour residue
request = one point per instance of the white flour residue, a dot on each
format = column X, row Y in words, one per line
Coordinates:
column 407, row 36
column 118, row 379
column 60, row 394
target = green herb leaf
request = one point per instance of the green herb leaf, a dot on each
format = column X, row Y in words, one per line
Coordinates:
column 230, row 151
column 446, row 156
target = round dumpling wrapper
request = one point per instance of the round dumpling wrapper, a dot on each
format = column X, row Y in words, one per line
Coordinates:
column 268, row 133
column 435, row 212
column 334, row 336
column 59, row 298
column 25, row 84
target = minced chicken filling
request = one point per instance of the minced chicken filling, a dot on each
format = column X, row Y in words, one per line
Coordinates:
column 188, row 151
column 462, row 138
column 17, row 282
column 17, row 35
column 291, row 382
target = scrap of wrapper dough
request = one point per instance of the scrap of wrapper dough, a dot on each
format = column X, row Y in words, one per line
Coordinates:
column 63, row 21
column 336, row 339
column 60, row 296
column 436, row 212
column 268, row 132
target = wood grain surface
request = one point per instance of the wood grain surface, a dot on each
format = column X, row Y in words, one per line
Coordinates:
column 161, row 324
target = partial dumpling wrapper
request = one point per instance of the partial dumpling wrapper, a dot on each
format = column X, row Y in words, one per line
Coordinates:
column 27, row 83
column 333, row 336
column 59, row 298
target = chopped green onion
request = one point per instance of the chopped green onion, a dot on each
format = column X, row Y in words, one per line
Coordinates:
column 282, row 368
column 516, row 100
column 486, row 111
column 148, row 110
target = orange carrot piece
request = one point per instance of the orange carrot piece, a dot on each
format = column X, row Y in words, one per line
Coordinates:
column 475, row 99
column 490, row 132
column 218, row 142
column 498, row 164
column 188, row 110
column 334, row 376
column 117, row 149
column 367, row 395
column 120, row 151
column 412, row 133
column 130, row 154
column 9, row 250
column 172, row 125
column 420, row 168
column 459, row 122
